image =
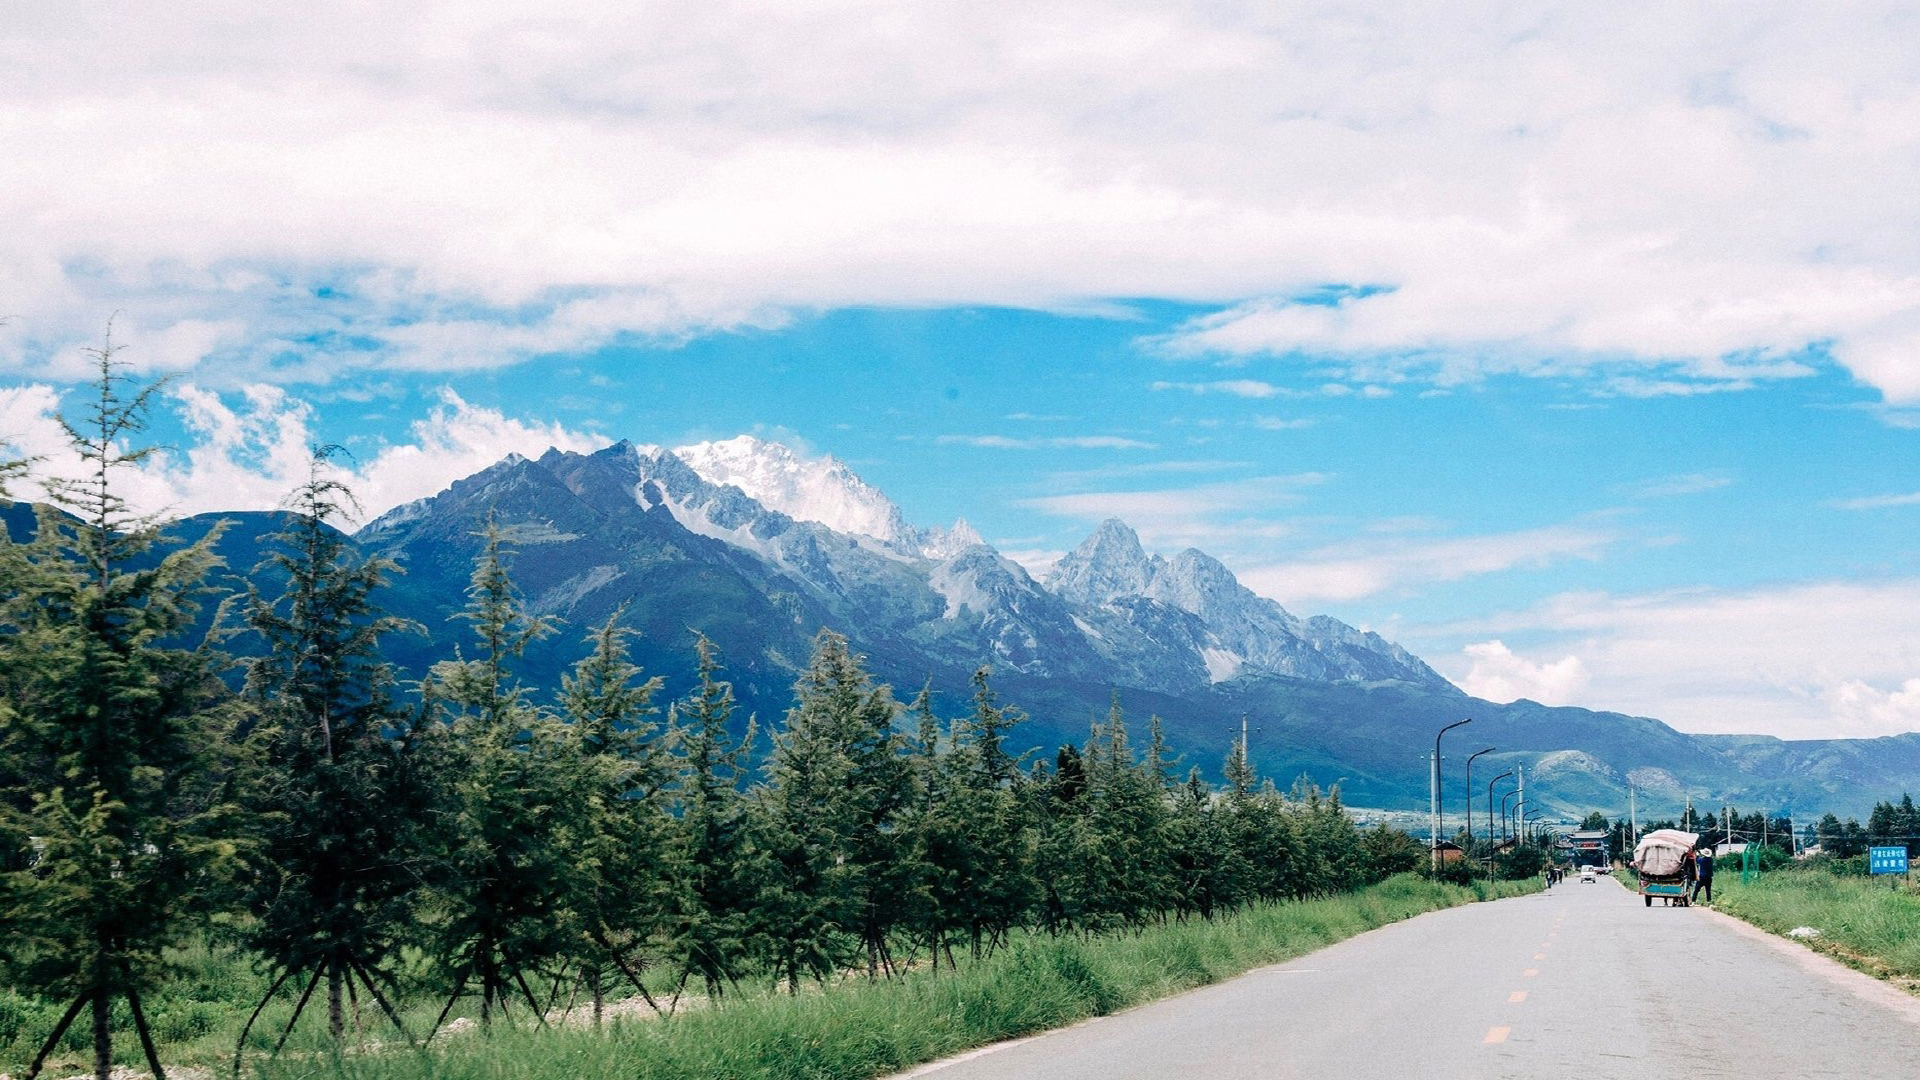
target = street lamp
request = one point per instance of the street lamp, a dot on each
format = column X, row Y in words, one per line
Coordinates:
column 1490, row 784
column 1470, row 758
column 1504, row 807
column 1526, row 819
column 1434, row 849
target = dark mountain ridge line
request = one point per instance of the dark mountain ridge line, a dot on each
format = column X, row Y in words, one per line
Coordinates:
column 637, row 529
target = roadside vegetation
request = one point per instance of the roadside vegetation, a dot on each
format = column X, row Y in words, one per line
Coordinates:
column 847, row 1027
column 1869, row 923
column 258, row 841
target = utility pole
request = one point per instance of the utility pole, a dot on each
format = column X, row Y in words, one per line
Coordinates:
column 1633, row 819
column 1520, row 806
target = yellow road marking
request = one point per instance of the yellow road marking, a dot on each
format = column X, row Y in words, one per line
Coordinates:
column 1531, row 972
column 1497, row 1035
column 1539, row 956
column 1516, row 997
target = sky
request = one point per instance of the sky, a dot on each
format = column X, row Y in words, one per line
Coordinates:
column 1576, row 348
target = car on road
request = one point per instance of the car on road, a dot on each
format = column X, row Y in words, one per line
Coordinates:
column 1587, row 876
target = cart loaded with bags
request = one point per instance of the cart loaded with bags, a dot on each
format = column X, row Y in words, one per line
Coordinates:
column 1664, row 861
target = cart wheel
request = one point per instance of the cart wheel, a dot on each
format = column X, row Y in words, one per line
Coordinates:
column 1648, row 899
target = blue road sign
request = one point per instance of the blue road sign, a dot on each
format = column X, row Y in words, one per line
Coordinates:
column 1887, row 860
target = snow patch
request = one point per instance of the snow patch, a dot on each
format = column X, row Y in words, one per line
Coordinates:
column 575, row 589
column 1222, row 664
column 695, row 520
column 961, row 589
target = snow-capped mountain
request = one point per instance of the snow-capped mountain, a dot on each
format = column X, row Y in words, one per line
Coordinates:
column 636, row 533
column 821, row 490
column 822, row 545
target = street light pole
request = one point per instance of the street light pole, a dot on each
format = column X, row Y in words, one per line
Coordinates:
column 1526, row 820
column 1434, row 848
column 1490, row 784
column 1504, row 807
column 1470, row 758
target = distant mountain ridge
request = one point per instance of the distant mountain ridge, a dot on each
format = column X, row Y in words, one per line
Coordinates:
column 831, row 546
column 639, row 532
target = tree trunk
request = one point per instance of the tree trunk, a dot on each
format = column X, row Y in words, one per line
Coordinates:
column 102, row 1037
column 336, row 1021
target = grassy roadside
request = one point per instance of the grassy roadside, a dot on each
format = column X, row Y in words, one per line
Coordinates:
column 860, row 1029
column 1863, row 922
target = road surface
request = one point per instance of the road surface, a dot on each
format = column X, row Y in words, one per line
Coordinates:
column 1581, row 981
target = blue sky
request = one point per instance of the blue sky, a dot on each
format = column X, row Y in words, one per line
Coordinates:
column 1577, row 351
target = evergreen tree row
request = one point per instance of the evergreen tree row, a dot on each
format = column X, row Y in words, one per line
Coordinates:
column 533, row 844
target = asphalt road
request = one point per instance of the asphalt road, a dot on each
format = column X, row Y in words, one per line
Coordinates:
column 1580, row 981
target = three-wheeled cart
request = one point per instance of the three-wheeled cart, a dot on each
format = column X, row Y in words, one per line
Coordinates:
column 1664, row 861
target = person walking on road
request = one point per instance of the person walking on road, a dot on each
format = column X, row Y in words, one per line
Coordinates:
column 1703, row 875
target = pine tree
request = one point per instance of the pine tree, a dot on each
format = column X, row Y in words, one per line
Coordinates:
column 1129, row 821
column 990, row 822
column 503, row 775
column 331, row 883
column 1204, row 864
column 615, row 833
column 116, row 731
column 835, row 785
column 929, row 849
column 719, row 869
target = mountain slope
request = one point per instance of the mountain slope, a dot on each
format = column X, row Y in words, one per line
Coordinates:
column 639, row 533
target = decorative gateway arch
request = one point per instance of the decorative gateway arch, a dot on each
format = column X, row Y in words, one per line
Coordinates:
column 1584, row 848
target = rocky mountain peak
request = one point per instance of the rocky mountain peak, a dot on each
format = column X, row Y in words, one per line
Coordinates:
column 1109, row 564
column 1196, row 582
column 937, row 543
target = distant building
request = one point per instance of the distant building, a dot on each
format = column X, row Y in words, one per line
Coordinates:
column 1449, row 851
column 1584, row 848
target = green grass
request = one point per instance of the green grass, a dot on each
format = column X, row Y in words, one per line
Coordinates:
column 1863, row 921
column 859, row 1029
column 853, row 1029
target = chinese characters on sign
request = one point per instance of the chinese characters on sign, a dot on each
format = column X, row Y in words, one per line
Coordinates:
column 1887, row 860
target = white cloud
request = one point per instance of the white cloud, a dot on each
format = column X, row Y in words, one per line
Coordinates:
column 455, row 440
column 1499, row 675
column 1246, row 388
column 1221, row 517
column 1869, row 708
column 1673, row 199
column 1368, row 567
column 250, row 454
column 1036, row 561
column 1819, row 660
column 1877, row 502
column 1667, row 487
column 1276, row 423
column 1074, row 442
